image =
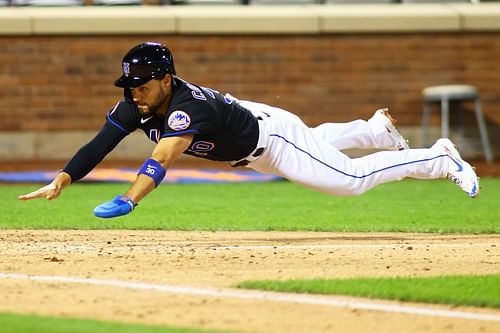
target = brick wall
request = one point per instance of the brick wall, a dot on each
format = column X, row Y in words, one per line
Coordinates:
column 66, row 82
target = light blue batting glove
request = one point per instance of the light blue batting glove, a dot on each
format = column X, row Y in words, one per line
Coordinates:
column 120, row 205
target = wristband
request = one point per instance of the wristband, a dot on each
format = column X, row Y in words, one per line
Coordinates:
column 153, row 169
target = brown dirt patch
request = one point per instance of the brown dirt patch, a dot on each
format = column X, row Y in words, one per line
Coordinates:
column 222, row 259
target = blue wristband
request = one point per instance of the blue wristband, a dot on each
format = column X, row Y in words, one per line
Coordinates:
column 153, row 169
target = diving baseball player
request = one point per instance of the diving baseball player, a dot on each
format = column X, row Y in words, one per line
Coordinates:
column 182, row 117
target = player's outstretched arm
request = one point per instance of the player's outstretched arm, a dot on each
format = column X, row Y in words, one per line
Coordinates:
column 87, row 157
column 149, row 177
column 50, row 191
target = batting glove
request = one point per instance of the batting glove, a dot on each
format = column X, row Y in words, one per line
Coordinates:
column 120, row 205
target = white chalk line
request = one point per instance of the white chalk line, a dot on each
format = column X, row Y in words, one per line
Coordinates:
column 338, row 302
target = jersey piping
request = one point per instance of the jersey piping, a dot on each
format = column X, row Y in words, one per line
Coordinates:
column 166, row 135
column 108, row 117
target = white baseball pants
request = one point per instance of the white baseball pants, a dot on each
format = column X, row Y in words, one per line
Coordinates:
column 312, row 156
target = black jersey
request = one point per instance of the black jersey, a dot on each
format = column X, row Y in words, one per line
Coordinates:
column 223, row 130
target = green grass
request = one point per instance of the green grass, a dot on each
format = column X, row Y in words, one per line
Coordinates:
column 14, row 323
column 480, row 291
column 406, row 206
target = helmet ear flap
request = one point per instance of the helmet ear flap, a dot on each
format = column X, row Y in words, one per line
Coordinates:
column 128, row 95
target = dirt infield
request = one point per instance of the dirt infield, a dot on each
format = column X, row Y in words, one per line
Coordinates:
column 194, row 274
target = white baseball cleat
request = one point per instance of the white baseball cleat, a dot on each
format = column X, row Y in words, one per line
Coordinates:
column 460, row 172
column 399, row 142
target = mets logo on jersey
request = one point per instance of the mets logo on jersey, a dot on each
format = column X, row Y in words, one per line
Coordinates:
column 179, row 120
column 126, row 69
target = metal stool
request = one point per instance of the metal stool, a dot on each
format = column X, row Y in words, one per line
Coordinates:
column 454, row 93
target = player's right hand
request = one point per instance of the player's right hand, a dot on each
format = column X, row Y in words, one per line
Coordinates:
column 49, row 192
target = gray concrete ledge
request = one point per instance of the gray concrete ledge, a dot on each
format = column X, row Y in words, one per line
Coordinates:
column 60, row 146
column 310, row 19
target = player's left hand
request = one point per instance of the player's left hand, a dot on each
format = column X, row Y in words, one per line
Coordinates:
column 120, row 205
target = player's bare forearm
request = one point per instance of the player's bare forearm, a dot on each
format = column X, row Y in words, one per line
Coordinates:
column 142, row 186
column 165, row 153
column 149, row 177
column 50, row 191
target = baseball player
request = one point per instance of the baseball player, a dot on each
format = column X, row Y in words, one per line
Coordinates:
column 182, row 117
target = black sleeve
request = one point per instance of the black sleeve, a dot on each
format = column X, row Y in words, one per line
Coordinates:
column 94, row 151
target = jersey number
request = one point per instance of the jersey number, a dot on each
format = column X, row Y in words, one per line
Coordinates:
column 201, row 147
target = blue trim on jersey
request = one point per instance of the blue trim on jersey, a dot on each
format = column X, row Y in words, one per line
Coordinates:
column 354, row 176
column 108, row 117
column 166, row 135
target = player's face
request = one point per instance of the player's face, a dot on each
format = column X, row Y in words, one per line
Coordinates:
column 150, row 97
